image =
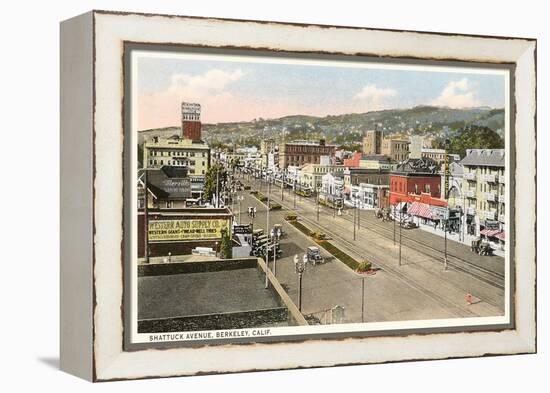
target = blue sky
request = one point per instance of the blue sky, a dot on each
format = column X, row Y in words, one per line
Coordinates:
column 237, row 91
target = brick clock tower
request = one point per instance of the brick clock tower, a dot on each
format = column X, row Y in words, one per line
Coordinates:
column 191, row 121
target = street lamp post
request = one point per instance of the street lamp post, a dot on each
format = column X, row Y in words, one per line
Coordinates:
column 300, row 268
column 239, row 199
column 318, row 189
column 275, row 244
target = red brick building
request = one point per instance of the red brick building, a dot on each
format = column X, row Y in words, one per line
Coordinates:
column 416, row 180
column 191, row 121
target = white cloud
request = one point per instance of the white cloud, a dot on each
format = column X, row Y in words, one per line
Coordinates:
column 375, row 97
column 212, row 82
column 458, row 94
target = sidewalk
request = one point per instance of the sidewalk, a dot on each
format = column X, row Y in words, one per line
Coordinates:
column 455, row 237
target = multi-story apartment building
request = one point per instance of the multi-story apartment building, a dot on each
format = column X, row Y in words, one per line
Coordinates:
column 372, row 142
column 484, row 184
column 396, row 149
column 298, row 153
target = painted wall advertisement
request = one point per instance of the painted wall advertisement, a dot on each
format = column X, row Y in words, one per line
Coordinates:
column 188, row 229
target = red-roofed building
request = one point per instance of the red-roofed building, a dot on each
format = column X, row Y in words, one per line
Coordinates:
column 353, row 162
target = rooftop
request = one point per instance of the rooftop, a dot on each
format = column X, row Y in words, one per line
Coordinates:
column 203, row 293
column 484, row 157
column 417, row 166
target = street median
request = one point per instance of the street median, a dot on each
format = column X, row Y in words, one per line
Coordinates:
column 317, row 237
column 262, row 198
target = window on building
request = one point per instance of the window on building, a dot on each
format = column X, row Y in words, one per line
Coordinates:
column 427, row 188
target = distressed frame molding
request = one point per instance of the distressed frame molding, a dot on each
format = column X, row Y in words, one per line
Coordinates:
column 92, row 273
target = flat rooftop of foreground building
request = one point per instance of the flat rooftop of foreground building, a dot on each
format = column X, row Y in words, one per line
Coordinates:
column 211, row 295
column 203, row 293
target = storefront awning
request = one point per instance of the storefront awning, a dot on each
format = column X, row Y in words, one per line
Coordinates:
column 420, row 210
column 501, row 236
column 489, row 232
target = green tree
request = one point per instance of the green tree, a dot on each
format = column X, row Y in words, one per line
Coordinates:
column 472, row 137
column 218, row 172
column 226, row 246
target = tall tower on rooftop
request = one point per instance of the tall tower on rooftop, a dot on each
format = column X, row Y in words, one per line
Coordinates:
column 191, row 121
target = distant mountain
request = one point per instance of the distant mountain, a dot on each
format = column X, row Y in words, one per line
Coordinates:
column 436, row 122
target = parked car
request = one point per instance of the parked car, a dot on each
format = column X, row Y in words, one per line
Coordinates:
column 314, row 255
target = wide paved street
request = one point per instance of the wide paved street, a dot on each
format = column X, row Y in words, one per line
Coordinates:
column 418, row 289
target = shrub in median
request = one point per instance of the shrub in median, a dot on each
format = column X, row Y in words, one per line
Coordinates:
column 291, row 217
column 364, row 266
column 339, row 254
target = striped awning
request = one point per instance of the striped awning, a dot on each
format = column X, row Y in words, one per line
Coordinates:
column 420, row 210
column 489, row 232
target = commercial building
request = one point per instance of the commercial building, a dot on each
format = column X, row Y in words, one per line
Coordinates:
column 174, row 151
column 455, row 193
column 438, row 155
column 416, row 180
column 311, row 175
column 168, row 187
column 179, row 231
column 269, row 151
column 366, row 188
column 372, row 142
column 396, row 149
column 332, row 189
column 298, row 153
column 376, row 161
column 212, row 295
column 484, row 183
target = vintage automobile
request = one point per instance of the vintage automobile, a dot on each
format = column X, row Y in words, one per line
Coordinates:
column 314, row 255
column 408, row 225
column 481, row 247
column 278, row 229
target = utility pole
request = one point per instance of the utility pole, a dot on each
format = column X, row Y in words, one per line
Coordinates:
column 400, row 229
column 446, row 194
column 359, row 215
column 145, row 218
column 354, row 216
column 394, row 219
column 363, row 299
column 282, row 187
column 217, row 186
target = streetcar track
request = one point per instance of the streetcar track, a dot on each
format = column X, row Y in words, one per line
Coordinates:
column 401, row 276
column 496, row 279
